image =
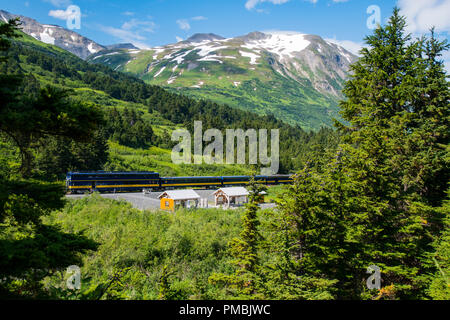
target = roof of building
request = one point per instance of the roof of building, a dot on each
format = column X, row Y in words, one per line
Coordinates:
column 234, row 191
column 180, row 195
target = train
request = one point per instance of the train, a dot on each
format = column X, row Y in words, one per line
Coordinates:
column 116, row 182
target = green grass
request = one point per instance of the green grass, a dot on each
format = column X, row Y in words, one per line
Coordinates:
column 159, row 160
column 274, row 192
column 191, row 243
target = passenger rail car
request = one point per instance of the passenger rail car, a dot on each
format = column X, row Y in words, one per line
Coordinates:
column 81, row 182
column 112, row 182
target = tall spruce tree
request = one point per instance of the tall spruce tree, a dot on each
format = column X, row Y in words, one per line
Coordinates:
column 398, row 109
column 29, row 249
column 246, row 283
column 377, row 202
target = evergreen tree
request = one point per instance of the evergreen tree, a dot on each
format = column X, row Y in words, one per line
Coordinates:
column 245, row 283
column 376, row 202
column 29, row 249
column 397, row 107
column 440, row 283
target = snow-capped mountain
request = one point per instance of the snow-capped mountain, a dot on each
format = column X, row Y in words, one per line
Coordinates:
column 121, row 46
column 56, row 35
column 296, row 77
column 200, row 37
column 291, row 75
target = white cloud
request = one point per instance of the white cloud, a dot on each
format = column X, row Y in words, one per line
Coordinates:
column 134, row 31
column 183, row 24
column 124, row 35
column 199, row 18
column 59, row 3
column 128, row 13
column 142, row 26
column 60, row 14
column 179, row 38
column 250, row 4
column 421, row 15
column 353, row 47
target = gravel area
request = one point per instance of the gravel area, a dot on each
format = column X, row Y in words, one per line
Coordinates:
column 150, row 200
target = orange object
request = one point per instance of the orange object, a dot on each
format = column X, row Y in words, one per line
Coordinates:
column 167, row 204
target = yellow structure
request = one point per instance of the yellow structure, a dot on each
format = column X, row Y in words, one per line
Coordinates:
column 167, row 204
column 170, row 200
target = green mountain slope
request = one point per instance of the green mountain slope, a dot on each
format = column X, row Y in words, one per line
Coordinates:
column 44, row 64
column 298, row 78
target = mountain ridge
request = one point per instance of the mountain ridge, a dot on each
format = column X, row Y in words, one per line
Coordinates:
column 296, row 77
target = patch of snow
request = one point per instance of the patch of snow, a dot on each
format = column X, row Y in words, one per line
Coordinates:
column 133, row 51
column 91, row 48
column 46, row 38
column 157, row 51
column 346, row 55
column 179, row 59
column 199, row 85
column 4, row 19
column 169, row 56
column 207, row 49
column 106, row 54
column 210, row 59
column 159, row 72
column 282, row 44
column 215, row 58
column 73, row 38
column 171, row 79
column 130, row 60
column 253, row 57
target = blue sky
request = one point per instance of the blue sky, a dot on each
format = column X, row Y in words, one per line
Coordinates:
column 149, row 23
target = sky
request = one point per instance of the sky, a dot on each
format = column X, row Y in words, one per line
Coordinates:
column 150, row 23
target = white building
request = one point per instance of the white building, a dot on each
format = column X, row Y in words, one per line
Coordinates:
column 234, row 196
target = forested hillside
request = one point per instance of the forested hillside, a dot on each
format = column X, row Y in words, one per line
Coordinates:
column 137, row 115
